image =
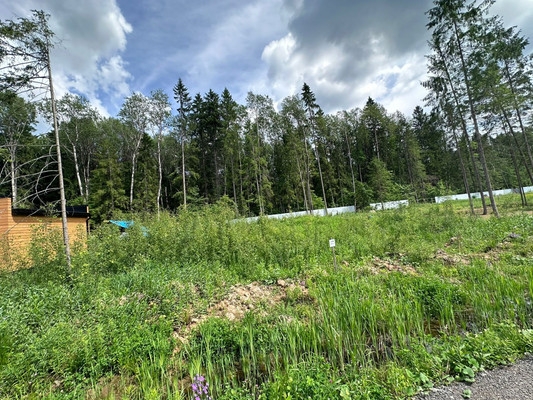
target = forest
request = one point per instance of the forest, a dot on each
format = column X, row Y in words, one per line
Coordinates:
column 471, row 133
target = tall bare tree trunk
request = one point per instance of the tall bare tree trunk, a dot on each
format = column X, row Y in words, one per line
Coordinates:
column 134, row 167
column 464, row 128
column 300, row 174
column 233, row 185
column 132, row 180
column 308, row 176
column 63, row 200
column 462, row 163
column 160, row 171
column 258, row 170
column 512, row 135
column 351, row 170
column 87, row 178
column 477, row 177
column 78, row 175
column 465, row 177
column 14, row 194
column 317, row 155
column 473, row 114
column 518, row 113
column 518, row 177
column 183, row 169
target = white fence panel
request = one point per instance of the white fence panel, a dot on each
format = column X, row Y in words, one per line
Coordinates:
column 477, row 195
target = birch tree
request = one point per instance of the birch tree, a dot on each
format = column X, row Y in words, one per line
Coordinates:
column 25, row 47
column 77, row 121
column 135, row 112
column 17, row 120
column 159, row 119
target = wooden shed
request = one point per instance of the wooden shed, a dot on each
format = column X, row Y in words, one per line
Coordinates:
column 18, row 227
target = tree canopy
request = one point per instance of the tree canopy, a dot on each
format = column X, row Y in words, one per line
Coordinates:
column 472, row 134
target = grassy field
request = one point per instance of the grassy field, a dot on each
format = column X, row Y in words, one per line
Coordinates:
column 418, row 297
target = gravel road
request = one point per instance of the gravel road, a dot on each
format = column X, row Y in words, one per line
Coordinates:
column 513, row 382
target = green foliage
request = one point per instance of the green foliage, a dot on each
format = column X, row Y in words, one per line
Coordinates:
column 215, row 337
column 417, row 299
column 381, row 180
column 307, row 380
column 439, row 298
column 5, row 344
column 46, row 254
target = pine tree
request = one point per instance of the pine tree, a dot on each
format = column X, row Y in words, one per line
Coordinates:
column 312, row 109
column 181, row 95
column 458, row 28
column 232, row 117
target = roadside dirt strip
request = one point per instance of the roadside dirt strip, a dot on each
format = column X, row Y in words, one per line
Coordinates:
column 513, row 382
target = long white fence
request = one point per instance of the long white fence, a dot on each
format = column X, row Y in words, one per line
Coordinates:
column 477, row 195
column 389, row 205
column 333, row 211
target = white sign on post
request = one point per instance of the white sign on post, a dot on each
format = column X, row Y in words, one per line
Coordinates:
column 332, row 246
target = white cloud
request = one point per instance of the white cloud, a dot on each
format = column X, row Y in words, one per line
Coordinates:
column 393, row 81
column 210, row 45
column 91, row 37
column 233, row 47
column 515, row 12
column 346, row 51
column 279, row 56
column 407, row 91
column 349, row 51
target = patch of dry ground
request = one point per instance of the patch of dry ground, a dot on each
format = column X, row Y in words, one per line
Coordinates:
column 383, row 265
column 241, row 299
column 491, row 254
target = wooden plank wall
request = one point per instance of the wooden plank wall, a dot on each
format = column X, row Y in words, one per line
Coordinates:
column 5, row 214
column 17, row 232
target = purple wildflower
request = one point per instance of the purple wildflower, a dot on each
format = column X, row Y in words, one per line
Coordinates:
column 200, row 388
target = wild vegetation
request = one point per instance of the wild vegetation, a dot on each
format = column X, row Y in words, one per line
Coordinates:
column 420, row 296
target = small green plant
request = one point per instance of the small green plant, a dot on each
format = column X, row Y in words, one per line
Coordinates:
column 307, row 380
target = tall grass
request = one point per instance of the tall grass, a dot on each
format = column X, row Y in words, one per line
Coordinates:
column 129, row 323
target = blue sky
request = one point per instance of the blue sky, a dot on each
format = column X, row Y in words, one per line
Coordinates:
column 346, row 50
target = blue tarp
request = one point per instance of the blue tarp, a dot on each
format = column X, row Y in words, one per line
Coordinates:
column 126, row 225
column 122, row 224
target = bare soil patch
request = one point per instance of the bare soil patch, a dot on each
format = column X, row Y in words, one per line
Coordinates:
column 384, row 265
column 241, row 299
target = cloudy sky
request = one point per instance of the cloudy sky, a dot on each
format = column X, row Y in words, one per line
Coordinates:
column 346, row 50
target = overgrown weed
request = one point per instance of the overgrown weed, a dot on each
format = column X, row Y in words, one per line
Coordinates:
column 359, row 331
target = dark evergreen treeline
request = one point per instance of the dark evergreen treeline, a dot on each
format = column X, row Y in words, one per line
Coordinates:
column 161, row 153
column 266, row 161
